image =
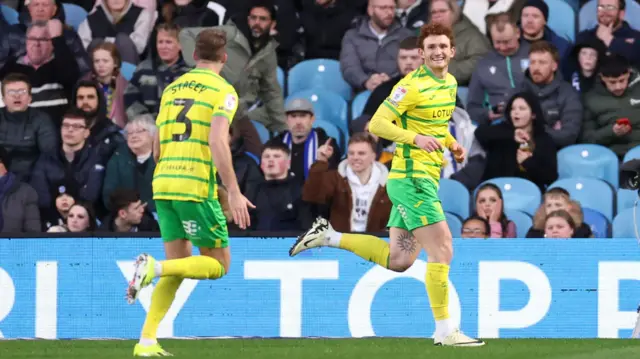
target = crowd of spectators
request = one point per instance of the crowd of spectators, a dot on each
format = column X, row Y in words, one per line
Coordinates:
column 76, row 134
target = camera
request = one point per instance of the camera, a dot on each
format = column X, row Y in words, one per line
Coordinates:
column 630, row 175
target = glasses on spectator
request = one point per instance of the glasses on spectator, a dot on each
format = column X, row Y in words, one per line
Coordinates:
column 607, row 7
column 17, row 92
column 73, row 126
column 136, row 131
column 473, row 231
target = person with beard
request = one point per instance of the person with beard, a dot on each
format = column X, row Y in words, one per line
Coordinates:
column 251, row 68
column 520, row 145
column 368, row 55
column 613, row 31
column 105, row 135
column 559, row 100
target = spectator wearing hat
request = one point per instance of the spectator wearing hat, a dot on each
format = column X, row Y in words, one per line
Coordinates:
column 18, row 201
column 303, row 140
column 533, row 23
column 583, row 62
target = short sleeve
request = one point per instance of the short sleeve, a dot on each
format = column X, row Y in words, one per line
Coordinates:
column 401, row 99
column 228, row 106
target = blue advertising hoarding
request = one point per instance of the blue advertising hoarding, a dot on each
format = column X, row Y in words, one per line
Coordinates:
column 533, row 288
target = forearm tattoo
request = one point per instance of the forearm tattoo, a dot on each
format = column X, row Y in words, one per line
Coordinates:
column 407, row 243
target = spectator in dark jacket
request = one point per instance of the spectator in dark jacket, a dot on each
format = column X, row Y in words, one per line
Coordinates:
column 559, row 100
column 246, row 166
column 533, row 22
column 412, row 14
column 581, row 67
column 154, row 74
column 193, row 13
column 47, row 65
column 129, row 214
column 614, row 32
column 105, row 135
column 520, row 146
column 18, row 201
column 25, row 132
column 45, row 11
column 75, row 166
column 322, row 41
column 303, row 140
column 132, row 165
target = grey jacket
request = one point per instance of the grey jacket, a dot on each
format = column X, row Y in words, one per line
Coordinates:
column 494, row 80
column 560, row 102
column 253, row 76
column 20, row 209
column 363, row 55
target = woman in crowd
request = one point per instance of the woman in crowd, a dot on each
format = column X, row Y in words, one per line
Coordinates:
column 559, row 224
column 81, row 218
column 520, row 146
column 557, row 199
column 475, row 227
column 489, row 205
column 106, row 61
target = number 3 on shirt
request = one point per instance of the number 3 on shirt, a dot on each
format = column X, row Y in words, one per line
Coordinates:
column 186, row 103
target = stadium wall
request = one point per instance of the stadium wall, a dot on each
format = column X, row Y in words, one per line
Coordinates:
column 75, row 287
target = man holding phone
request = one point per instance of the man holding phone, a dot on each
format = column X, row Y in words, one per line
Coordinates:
column 612, row 107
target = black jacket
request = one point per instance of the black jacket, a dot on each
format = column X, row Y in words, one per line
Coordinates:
column 148, row 224
column 26, row 135
column 499, row 143
column 279, row 206
column 323, row 40
column 20, row 208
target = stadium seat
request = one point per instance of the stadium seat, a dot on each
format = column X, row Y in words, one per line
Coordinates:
column 463, row 93
column 357, row 106
column 280, row 74
column 518, row 194
column 332, row 131
column 127, row 69
column 318, row 73
column 253, row 157
column 575, row 5
column 590, row 192
column 597, row 222
column 562, row 19
column 588, row 15
column 522, row 220
column 624, row 224
column 74, row 15
column 455, row 224
column 328, row 106
column 9, row 14
column 632, row 154
column 589, row 161
column 263, row 132
column 625, row 199
column 455, row 197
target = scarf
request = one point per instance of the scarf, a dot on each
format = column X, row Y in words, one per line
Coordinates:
column 310, row 149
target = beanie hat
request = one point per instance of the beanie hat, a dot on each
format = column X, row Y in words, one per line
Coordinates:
column 540, row 5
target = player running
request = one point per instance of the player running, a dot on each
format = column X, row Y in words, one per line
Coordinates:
column 190, row 148
column 415, row 116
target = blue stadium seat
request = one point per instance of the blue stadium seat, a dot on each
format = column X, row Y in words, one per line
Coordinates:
column 624, row 224
column 74, row 15
column 280, row 74
column 590, row 161
column 127, row 69
column 318, row 73
column 357, row 106
column 332, row 131
column 463, row 93
column 625, row 199
column 562, row 19
column 455, row 224
column 632, row 154
column 590, row 192
column 9, row 14
column 327, row 105
column 588, row 15
column 455, row 197
column 518, row 194
column 597, row 222
column 523, row 221
column 252, row 156
column 575, row 5
column 263, row 132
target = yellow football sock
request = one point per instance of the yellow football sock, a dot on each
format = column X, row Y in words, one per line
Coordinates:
column 437, row 283
column 367, row 247
column 194, row 267
column 161, row 299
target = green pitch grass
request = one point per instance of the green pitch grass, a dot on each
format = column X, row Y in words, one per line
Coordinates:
column 378, row 348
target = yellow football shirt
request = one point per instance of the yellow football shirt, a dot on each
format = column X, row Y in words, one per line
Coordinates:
column 185, row 171
column 421, row 103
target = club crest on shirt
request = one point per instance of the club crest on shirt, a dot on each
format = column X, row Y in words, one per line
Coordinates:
column 398, row 94
column 230, row 102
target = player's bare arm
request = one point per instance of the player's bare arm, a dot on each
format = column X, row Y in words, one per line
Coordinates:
column 156, row 147
column 221, row 154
